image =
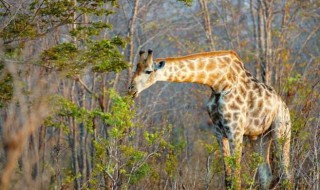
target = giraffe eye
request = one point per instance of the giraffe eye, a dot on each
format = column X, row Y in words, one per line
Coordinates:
column 148, row 72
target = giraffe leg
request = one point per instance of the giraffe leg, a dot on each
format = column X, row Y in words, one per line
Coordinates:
column 224, row 146
column 235, row 144
column 282, row 134
column 262, row 147
column 218, row 130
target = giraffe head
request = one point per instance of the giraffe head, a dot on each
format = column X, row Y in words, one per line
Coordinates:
column 145, row 74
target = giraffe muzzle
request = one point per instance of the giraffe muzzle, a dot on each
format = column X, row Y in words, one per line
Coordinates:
column 132, row 91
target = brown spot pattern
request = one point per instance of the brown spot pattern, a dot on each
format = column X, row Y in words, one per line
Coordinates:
column 191, row 77
column 191, row 66
column 210, row 67
column 239, row 99
column 183, row 77
column 230, row 77
column 239, row 63
column 256, row 112
column 243, row 74
column 201, row 75
column 256, row 122
column 227, row 59
column 235, row 116
column 242, row 90
column 260, row 104
column 227, row 115
column 251, row 103
column 200, row 65
column 213, row 77
column 234, row 106
column 259, row 91
column 237, row 67
column 248, row 74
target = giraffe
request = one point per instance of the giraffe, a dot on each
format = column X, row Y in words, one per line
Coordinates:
column 239, row 105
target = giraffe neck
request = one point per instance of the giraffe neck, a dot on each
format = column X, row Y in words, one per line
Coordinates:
column 214, row 71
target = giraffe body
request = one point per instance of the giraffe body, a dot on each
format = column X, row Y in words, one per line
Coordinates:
column 239, row 105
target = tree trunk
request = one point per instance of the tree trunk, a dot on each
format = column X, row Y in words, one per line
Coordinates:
column 255, row 39
column 82, row 162
column 207, row 23
column 73, row 143
column 42, row 150
column 264, row 38
column 90, row 150
column 131, row 36
column 34, row 156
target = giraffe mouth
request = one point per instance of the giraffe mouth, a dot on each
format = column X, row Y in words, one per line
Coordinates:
column 133, row 94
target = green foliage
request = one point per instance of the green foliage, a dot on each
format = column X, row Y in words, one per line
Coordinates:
column 70, row 177
column 53, row 122
column 212, row 146
column 64, row 108
column 95, row 7
column 94, row 29
column 70, row 58
column 6, row 87
column 120, row 121
column 248, row 176
column 186, row 2
column 121, row 114
column 64, row 51
column 100, row 158
column 132, row 159
column 173, row 149
column 136, row 166
column 20, row 27
column 171, row 164
column 255, row 160
column 63, row 57
column 105, row 57
column 150, row 137
column 57, row 10
column 231, row 161
column 292, row 80
column 117, row 157
column 296, row 86
column 140, row 173
column 42, row 17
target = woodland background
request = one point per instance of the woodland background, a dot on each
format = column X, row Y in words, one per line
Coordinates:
column 65, row 66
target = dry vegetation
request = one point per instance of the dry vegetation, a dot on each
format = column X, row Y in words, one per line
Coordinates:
column 64, row 69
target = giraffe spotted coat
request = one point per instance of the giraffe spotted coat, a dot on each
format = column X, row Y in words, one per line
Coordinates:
column 239, row 105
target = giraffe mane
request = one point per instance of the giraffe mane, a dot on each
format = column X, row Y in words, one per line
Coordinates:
column 203, row 54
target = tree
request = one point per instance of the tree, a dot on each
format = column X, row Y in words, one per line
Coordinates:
column 27, row 33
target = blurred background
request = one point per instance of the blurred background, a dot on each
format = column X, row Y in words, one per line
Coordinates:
column 65, row 65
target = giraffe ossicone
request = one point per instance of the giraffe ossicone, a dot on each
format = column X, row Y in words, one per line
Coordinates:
column 239, row 105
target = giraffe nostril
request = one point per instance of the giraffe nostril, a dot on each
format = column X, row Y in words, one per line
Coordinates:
column 131, row 87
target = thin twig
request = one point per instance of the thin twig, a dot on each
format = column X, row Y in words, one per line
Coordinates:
column 84, row 85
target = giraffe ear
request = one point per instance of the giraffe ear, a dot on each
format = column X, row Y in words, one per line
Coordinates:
column 142, row 56
column 159, row 65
